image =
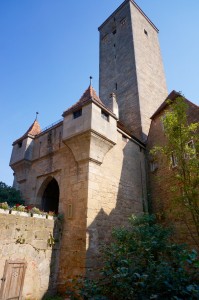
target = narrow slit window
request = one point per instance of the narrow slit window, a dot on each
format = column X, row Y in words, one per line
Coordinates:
column 145, row 32
column 77, row 114
column 70, row 211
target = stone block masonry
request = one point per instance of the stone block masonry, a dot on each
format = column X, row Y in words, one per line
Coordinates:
column 36, row 243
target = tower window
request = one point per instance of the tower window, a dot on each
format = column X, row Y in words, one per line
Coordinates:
column 145, row 32
column 114, row 31
column 104, row 115
column 19, row 144
column 116, row 86
column 77, row 114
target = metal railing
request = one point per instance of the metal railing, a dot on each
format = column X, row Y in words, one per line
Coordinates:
column 51, row 125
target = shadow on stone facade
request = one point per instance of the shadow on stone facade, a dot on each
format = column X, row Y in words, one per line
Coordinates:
column 131, row 199
column 54, row 241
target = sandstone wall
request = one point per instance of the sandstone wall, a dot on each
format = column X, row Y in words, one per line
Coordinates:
column 131, row 67
column 117, row 189
column 30, row 239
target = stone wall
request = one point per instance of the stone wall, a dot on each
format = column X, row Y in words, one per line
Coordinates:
column 117, row 189
column 100, row 174
column 131, row 67
column 31, row 239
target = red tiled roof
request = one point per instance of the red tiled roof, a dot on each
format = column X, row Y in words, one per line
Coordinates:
column 33, row 130
column 172, row 96
column 89, row 95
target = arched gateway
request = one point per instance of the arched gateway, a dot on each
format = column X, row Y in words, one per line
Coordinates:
column 50, row 198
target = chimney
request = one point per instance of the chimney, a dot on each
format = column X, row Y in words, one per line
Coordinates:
column 113, row 105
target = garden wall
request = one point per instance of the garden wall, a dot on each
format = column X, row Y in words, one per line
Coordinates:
column 29, row 252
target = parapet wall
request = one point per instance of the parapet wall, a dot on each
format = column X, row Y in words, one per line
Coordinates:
column 33, row 244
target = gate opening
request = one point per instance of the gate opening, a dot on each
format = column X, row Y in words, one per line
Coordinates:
column 50, row 199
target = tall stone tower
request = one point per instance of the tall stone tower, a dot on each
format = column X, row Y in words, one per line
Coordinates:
column 131, row 67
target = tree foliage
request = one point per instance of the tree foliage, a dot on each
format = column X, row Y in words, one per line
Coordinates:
column 142, row 263
column 10, row 195
column 183, row 147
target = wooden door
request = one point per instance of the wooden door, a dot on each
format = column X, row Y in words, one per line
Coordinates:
column 12, row 280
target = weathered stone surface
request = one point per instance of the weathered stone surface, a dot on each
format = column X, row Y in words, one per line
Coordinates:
column 20, row 240
column 131, row 67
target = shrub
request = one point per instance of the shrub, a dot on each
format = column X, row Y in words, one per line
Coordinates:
column 143, row 263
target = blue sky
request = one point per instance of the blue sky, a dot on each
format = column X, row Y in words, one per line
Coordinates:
column 49, row 48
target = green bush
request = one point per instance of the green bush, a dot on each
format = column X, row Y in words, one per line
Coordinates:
column 143, row 263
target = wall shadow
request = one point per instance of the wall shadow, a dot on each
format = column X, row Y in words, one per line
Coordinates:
column 55, row 243
column 131, row 199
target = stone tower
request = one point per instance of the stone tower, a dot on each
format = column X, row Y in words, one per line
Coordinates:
column 131, row 67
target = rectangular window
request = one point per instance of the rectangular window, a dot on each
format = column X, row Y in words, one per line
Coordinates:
column 153, row 166
column 104, row 115
column 191, row 145
column 174, row 161
column 191, row 151
column 77, row 114
column 19, row 144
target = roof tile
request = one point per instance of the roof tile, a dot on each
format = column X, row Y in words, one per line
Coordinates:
column 89, row 95
column 33, row 130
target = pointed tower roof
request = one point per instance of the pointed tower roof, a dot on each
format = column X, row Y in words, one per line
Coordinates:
column 89, row 96
column 32, row 131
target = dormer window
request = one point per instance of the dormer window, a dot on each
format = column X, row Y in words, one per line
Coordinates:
column 104, row 115
column 77, row 114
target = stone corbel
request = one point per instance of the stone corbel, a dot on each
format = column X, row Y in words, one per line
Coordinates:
column 89, row 146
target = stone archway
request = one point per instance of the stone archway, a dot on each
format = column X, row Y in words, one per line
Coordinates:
column 50, row 197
